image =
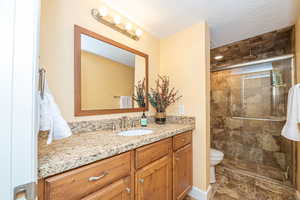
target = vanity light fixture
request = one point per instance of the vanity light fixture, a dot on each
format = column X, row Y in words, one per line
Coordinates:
column 138, row 32
column 218, row 57
column 115, row 22
column 103, row 12
column 117, row 19
column 128, row 26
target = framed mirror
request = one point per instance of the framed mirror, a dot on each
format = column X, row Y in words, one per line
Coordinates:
column 106, row 73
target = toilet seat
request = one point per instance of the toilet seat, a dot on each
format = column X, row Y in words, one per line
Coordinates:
column 215, row 154
column 216, row 158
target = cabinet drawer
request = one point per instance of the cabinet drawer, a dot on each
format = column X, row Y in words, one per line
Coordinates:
column 147, row 154
column 119, row 190
column 83, row 181
column 182, row 140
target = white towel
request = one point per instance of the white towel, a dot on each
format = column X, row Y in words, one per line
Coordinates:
column 125, row 102
column 51, row 119
column 291, row 128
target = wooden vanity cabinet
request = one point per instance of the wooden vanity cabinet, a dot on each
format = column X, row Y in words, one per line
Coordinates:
column 182, row 165
column 158, row 171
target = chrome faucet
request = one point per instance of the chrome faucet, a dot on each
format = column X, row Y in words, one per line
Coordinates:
column 123, row 123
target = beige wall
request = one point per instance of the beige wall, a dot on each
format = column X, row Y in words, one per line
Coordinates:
column 57, row 48
column 185, row 58
column 100, row 84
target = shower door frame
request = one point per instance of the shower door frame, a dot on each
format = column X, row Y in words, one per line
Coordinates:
column 293, row 82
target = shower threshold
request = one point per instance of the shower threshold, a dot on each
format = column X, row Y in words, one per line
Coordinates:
column 235, row 184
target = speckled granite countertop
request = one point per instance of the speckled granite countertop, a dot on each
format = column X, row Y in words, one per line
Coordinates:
column 84, row 148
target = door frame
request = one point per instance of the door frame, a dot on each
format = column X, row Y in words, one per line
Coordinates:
column 19, row 50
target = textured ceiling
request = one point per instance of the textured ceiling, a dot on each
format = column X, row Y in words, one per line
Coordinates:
column 229, row 20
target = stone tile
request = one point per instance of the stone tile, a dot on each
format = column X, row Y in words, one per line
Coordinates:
column 189, row 198
column 282, row 160
column 233, row 124
column 219, row 196
column 271, row 44
column 269, row 143
column 234, row 185
column 269, row 158
column 106, row 124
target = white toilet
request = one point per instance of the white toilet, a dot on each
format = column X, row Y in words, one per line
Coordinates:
column 216, row 157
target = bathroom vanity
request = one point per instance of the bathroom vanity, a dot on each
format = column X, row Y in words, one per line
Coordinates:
column 99, row 163
column 154, row 166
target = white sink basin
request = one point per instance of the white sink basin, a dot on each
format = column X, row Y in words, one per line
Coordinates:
column 136, row 132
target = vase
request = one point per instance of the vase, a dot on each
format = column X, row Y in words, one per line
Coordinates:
column 160, row 117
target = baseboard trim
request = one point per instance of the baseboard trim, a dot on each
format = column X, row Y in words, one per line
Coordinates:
column 198, row 194
column 297, row 195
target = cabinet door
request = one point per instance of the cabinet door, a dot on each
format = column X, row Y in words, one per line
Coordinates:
column 182, row 172
column 119, row 190
column 154, row 181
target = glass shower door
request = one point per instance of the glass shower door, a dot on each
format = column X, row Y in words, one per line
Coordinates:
column 248, row 112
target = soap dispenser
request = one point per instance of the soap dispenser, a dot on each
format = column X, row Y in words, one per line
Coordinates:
column 144, row 120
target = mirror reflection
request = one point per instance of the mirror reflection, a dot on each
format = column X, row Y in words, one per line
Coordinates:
column 109, row 75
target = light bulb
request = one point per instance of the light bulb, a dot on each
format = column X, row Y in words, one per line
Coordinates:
column 128, row 26
column 103, row 12
column 117, row 19
column 218, row 57
column 138, row 32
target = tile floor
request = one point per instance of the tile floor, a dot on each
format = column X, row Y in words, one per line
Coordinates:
column 188, row 198
column 236, row 185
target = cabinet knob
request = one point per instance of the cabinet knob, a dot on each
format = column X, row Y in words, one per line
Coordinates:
column 183, row 140
column 176, row 158
column 128, row 190
column 141, row 180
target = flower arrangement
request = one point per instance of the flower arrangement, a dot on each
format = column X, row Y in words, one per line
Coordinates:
column 140, row 95
column 162, row 96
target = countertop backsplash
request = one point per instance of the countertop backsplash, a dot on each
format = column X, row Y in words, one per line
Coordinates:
column 106, row 124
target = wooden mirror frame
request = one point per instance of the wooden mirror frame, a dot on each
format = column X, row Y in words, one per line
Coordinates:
column 77, row 73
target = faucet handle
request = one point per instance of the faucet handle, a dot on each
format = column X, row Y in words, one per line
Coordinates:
column 123, row 122
column 133, row 125
column 114, row 127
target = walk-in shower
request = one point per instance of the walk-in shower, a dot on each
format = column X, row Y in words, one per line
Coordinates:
column 248, row 111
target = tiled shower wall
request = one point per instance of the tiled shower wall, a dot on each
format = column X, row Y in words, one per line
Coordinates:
column 272, row 44
column 247, row 116
column 241, row 98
